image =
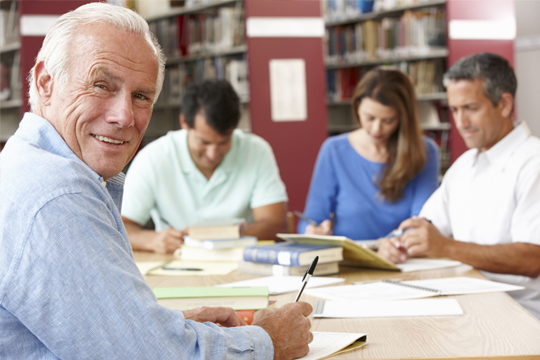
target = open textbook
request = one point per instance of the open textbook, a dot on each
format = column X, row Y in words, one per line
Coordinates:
column 357, row 254
column 401, row 290
column 326, row 344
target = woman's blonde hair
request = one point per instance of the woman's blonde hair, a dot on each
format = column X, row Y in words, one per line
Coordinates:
column 406, row 149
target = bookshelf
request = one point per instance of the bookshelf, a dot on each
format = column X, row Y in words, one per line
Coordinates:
column 410, row 32
column 18, row 51
column 10, row 93
column 411, row 37
column 244, row 60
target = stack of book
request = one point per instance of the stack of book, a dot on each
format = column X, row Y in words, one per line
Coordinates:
column 216, row 241
column 290, row 259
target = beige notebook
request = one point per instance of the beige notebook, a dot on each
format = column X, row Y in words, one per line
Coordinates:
column 353, row 253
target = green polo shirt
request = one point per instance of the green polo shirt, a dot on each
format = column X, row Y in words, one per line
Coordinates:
column 163, row 182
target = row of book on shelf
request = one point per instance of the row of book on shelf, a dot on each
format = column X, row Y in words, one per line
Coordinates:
column 9, row 25
column 415, row 33
column 194, row 34
column 179, row 76
column 342, row 10
column 426, row 76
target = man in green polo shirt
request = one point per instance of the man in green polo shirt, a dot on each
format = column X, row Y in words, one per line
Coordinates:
column 209, row 170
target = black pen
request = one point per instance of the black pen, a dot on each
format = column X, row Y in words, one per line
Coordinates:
column 181, row 269
column 307, row 276
column 305, row 218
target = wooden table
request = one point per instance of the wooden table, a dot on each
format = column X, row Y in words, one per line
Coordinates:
column 493, row 325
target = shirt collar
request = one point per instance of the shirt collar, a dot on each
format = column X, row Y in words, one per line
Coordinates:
column 41, row 132
column 499, row 153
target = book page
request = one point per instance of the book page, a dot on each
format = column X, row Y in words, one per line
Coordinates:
column 464, row 285
column 397, row 308
column 325, row 344
column 284, row 284
column 370, row 291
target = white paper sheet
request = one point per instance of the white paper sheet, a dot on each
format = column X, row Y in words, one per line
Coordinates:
column 208, row 268
column 288, row 94
column 284, row 284
column 398, row 308
column 380, row 290
column 426, row 264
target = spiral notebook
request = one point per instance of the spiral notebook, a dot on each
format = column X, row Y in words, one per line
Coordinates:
column 402, row 290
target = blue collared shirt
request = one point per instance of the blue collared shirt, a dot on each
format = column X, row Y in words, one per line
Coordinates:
column 69, row 287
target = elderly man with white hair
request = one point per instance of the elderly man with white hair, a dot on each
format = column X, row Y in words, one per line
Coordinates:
column 69, row 286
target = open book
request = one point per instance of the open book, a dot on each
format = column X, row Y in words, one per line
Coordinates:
column 353, row 253
column 326, row 344
column 358, row 254
column 401, row 290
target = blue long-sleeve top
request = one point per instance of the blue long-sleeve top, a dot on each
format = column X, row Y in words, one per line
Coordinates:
column 343, row 183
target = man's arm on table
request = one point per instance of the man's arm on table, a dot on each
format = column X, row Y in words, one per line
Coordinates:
column 423, row 239
column 164, row 242
column 269, row 220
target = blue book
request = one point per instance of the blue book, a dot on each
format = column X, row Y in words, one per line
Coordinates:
column 292, row 254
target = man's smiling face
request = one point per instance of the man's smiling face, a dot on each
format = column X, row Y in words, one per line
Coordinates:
column 104, row 111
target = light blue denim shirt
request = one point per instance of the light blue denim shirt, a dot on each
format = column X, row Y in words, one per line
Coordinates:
column 69, row 287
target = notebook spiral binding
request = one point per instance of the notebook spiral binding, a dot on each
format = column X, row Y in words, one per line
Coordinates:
column 412, row 286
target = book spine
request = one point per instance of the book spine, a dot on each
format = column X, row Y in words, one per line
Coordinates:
column 271, row 256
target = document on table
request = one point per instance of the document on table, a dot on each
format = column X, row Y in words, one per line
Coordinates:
column 284, row 284
column 397, row 308
column 186, row 268
column 427, row 264
column 402, row 290
column 326, row 344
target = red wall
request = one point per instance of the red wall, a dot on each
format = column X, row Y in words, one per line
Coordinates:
column 295, row 144
column 476, row 10
column 30, row 45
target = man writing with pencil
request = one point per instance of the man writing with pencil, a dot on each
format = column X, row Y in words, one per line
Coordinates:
column 69, row 286
column 486, row 212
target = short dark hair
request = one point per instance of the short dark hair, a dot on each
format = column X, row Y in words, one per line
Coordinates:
column 495, row 71
column 216, row 100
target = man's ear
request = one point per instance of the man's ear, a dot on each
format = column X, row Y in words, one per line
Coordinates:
column 44, row 83
column 183, row 123
column 506, row 104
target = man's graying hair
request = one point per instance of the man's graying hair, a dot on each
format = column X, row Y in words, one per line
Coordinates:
column 496, row 73
column 55, row 52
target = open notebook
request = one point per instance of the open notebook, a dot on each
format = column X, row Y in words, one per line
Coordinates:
column 401, row 290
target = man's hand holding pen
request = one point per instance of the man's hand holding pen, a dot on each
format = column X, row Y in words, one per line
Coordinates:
column 415, row 237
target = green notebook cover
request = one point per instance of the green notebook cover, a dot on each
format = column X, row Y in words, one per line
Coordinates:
column 209, row 291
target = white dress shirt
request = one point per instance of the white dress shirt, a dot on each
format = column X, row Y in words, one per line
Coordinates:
column 493, row 197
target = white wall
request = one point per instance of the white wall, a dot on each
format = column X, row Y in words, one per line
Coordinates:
column 527, row 62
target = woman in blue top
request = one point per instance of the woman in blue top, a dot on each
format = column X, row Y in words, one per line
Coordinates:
column 373, row 178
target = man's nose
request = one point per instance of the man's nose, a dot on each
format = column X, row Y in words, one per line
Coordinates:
column 461, row 119
column 122, row 111
column 212, row 152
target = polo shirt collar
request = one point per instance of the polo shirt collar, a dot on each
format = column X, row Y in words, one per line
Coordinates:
column 499, row 154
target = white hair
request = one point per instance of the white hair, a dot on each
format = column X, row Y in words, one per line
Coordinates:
column 56, row 47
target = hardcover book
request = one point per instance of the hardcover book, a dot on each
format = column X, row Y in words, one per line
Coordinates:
column 286, row 253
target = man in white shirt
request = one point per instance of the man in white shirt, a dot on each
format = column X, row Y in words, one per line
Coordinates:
column 486, row 212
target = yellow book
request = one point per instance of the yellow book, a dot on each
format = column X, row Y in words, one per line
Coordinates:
column 353, row 253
